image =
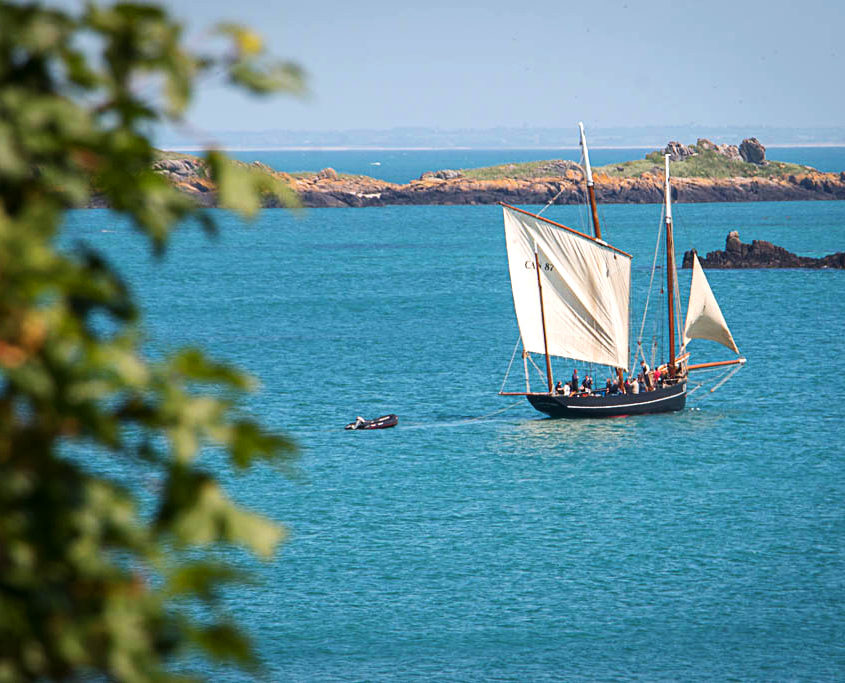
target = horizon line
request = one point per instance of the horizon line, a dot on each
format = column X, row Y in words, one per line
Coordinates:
column 367, row 148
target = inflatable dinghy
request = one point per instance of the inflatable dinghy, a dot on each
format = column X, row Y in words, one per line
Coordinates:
column 382, row 422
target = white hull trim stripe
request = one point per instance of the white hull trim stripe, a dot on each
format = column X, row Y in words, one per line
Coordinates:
column 627, row 405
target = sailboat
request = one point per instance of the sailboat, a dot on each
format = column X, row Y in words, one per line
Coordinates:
column 571, row 294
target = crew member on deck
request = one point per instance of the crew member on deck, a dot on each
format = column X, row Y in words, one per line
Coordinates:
column 559, row 387
column 646, row 375
column 574, row 385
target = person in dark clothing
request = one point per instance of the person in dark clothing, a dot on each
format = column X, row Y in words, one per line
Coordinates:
column 574, row 383
column 646, row 375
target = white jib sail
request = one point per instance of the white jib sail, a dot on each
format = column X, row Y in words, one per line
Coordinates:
column 704, row 317
column 585, row 291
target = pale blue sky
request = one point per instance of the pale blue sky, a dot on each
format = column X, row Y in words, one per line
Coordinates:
column 378, row 64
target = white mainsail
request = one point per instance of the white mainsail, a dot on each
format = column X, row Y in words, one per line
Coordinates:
column 585, row 291
column 704, row 317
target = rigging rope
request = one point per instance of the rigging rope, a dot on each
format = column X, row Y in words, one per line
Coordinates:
column 537, row 367
column 695, row 388
column 721, row 381
column 560, row 191
column 648, row 293
column 513, row 355
column 551, row 201
column 725, row 379
column 679, row 315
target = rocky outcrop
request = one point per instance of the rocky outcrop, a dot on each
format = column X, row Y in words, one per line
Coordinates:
column 752, row 151
column 760, row 254
column 445, row 174
column 678, row 152
column 730, row 152
column 564, row 168
column 188, row 174
column 176, row 169
column 327, row 174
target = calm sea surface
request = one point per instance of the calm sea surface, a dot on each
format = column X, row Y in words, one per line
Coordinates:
column 402, row 166
column 703, row 545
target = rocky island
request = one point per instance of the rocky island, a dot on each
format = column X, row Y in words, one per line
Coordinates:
column 703, row 172
column 760, row 254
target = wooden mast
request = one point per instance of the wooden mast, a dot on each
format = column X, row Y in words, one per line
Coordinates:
column 543, row 318
column 670, row 271
column 591, row 190
column 591, row 193
column 525, row 365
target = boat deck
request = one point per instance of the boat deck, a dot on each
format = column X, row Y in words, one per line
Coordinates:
column 665, row 399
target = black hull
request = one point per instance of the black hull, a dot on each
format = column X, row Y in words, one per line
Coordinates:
column 383, row 422
column 663, row 400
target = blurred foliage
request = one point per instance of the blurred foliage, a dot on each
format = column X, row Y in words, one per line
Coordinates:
column 91, row 586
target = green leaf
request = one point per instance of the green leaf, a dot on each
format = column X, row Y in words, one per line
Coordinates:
column 235, row 185
column 193, row 365
column 225, row 642
column 195, row 511
column 242, row 187
column 248, row 442
column 261, row 78
column 202, row 579
column 247, row 42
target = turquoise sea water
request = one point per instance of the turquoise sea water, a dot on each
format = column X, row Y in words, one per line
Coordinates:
column 402, row 166
column 703, row 545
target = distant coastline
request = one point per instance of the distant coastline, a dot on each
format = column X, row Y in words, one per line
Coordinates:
column 703, row 171
column 499, row 137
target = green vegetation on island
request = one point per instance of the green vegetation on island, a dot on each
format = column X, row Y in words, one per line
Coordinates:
column 527, row 170
column 705, row 164
column 701, row 160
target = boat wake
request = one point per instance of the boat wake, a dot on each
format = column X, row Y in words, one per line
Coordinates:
column 465, row 421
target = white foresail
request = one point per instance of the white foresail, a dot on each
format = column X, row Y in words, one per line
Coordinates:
column 585, row 291
column 704, row 317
